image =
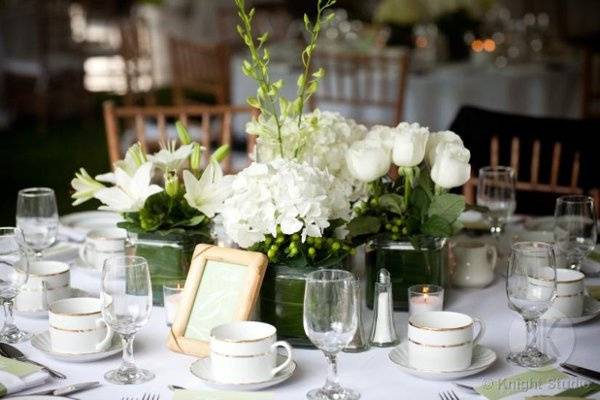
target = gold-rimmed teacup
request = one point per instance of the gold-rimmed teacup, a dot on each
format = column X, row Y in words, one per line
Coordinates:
column 570, row 293
column 48, row 282
column 442, row 341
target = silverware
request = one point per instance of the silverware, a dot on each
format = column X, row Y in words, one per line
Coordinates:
column 449, row 395
column 74, row 388
column 146, row 396
column 466, row 388
column 175, row 387
column 580, row 371
column 12, row 352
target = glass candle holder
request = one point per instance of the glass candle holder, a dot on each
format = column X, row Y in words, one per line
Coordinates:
column 172, row 292
column 425, row 298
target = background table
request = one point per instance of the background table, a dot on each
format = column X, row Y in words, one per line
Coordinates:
column 371, row 372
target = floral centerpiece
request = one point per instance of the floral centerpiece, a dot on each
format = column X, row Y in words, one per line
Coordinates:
column 168, row 202
column 406, row 216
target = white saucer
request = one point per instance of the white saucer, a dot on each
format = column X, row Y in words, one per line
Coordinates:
column 483, row 357
column 591, row 309
column 201, row 368
column 75, row 292
column 41, row 341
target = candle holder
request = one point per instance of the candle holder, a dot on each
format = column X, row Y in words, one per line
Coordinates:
column 172, row 292
column 425, row 298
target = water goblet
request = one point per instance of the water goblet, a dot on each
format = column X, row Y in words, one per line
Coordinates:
column 496, row 191
column 531, row 289
column 37, row 217
column 126, row 296
column 575, row 228
column 330, row 322
column 14, row 272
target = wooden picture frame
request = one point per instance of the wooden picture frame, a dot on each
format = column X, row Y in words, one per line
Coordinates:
column 222, row 286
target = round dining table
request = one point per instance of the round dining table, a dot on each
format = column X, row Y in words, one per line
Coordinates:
column 372, row 373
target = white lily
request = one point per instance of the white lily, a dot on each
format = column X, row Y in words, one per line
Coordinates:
column 130, row 192
column 134, row 158
column 169, row 158
column 85, row 187
column 208, row 193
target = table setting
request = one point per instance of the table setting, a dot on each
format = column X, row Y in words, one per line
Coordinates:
column 339, row 264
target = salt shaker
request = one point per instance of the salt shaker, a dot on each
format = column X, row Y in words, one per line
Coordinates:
column 359, row 341
column 383, row 332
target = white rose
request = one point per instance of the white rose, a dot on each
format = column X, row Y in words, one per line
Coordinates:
column 409, row 145
column 383, row 135
column 367, row 160
column 451, row 167
column 437, row 138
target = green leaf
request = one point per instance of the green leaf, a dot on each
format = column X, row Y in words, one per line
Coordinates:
column 419, row 201
column 436, row 226
column 447, row 206
column 363, row 225
column 392, row 202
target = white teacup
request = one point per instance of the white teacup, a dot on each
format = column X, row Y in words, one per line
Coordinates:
column 77, row 327
column 475, row 263
column 48, row 282
column 570, row 292
column 442, row 340
column 246, row 352
column 101, row 244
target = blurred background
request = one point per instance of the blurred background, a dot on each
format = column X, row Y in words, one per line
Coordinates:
column 517, row 79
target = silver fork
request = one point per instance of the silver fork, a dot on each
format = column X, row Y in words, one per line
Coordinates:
column 449, row 395
column 150, row 396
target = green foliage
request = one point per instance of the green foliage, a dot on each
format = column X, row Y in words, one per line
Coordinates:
column 274, row 108
column 408, row 207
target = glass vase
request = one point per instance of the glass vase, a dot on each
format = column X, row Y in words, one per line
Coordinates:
column 407, row 266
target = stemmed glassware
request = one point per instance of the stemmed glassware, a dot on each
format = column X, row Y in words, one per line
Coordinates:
column 126, row 296
column 531, row 289
column 14, row 272
column 37, row 217
column 575, row 228
column 330, row 321
column 496, row 191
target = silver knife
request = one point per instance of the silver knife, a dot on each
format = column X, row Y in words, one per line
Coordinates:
column 74, row 388
column 586, row 373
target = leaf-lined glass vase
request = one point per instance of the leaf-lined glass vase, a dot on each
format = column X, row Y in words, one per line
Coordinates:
column 168, row 254
column 407, row 266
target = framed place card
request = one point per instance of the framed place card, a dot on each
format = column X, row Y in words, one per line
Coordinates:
column 222, row 286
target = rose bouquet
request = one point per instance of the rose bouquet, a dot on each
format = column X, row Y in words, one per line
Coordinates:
column 167, row 200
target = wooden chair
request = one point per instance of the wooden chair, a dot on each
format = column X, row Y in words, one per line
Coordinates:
column 204, row 115
column 136, row 51
column 591, row 82
column 203, row 68
column 549, row 155
column 355, row 79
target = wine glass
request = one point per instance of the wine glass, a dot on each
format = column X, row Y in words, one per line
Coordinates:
column 531, row 289
column 575, row 228
column 330, row 321
column 496, row 191
column 126, row 296
column 14, row 271
column 37, row 217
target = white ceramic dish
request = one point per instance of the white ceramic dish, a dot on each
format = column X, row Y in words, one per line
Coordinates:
column 201, row 369
column 44, row 313
column 483, row 358
column 88, row 220
column 591, row 309
column 41, row 341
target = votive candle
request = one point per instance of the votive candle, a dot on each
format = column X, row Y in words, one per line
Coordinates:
column 172, row 293
column 425, row 298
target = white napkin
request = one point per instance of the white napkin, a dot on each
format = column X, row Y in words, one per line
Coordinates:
column 22, row 376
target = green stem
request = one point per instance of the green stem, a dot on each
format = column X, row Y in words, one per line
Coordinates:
column 408, row 175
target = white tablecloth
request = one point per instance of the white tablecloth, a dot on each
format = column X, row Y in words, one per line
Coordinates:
column 371, row 373
column 434, row 98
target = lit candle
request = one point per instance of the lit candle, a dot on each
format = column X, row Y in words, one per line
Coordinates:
column 172, row 293
column 425, row 298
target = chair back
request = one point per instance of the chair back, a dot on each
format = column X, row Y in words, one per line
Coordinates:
column 591, row 82
column 549, row 155
column 209, row 119
column 358, row 80
column 136, row 51
column 203, row 68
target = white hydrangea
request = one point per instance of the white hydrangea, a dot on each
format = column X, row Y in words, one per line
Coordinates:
column 293, row 195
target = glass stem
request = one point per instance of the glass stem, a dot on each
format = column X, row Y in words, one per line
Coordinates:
column 9, row 323
column 532, row 335
column 128, row 364
column 332, row 372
